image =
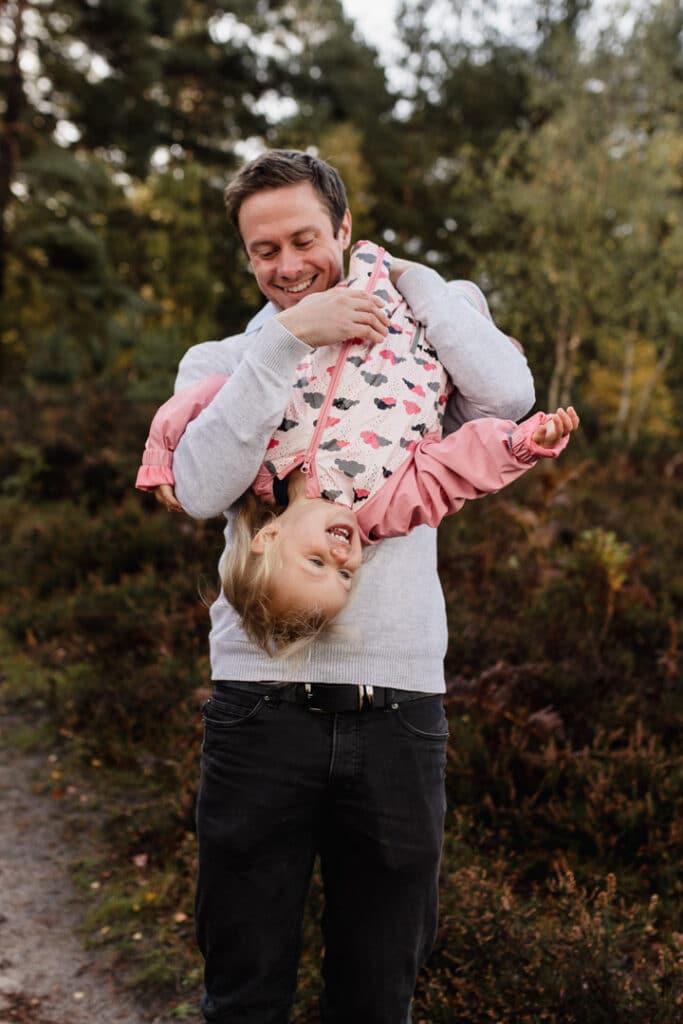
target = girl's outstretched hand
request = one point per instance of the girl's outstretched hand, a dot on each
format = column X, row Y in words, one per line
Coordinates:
column 165, row 494
column 558, row 424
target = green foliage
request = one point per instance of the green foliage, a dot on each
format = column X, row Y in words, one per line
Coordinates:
column 548, row 172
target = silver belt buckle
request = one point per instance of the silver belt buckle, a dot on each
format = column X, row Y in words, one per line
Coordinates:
column 365, row 693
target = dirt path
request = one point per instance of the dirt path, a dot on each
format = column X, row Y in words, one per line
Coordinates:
column 46, row 975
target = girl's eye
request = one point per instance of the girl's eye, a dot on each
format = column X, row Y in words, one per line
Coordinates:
column 316, row 561
column 345, row 574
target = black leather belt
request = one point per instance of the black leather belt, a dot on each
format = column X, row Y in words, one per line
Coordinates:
column 327, row 697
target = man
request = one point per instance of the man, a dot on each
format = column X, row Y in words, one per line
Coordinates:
column 347, row 760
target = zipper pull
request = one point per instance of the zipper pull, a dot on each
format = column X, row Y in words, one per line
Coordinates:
column 305, row 467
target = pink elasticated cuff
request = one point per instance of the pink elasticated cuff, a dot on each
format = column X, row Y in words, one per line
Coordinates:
column 525, row 448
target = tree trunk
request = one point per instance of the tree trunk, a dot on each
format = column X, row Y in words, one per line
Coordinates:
column 573, row 347
column 626, row 387
column 561, row 342
column 9, row 130
column 567, row 345
column 646, row 394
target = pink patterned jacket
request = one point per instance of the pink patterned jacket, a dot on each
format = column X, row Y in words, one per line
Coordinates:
column 364, row 424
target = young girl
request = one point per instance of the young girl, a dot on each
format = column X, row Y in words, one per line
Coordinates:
column 357, row 458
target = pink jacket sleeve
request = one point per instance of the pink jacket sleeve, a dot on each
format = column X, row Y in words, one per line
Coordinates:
column 168, row 426
column 479, row 458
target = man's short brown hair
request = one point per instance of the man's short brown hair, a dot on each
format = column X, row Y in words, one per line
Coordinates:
column 277, row 168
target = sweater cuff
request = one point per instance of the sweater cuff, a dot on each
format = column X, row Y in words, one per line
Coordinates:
column 420, row 285
column 279, row 350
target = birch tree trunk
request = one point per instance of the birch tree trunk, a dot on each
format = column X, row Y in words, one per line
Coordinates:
column 646, row 394
column 626, row 387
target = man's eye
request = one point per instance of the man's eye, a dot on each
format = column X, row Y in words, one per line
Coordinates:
column 304, row 243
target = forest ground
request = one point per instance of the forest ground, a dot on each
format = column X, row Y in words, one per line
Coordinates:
column 47, row 976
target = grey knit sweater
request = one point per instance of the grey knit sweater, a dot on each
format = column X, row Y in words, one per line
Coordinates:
column 393, row 631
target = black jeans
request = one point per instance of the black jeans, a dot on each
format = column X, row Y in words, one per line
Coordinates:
column 362, row 789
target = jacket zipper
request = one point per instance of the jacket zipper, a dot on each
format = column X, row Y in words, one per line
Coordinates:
column 309, row 457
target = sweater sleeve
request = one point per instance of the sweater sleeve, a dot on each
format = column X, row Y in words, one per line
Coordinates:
column 490, row 374
column 168, row 426
column 220, row 452
column 480, row 458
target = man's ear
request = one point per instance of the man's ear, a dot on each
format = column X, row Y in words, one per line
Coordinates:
column 344, row 233
column 264, row 536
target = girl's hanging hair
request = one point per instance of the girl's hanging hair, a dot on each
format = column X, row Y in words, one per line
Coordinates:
column 247, row 584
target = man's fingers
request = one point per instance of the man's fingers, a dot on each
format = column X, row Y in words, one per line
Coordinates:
column 369, row 318
column 331, row 317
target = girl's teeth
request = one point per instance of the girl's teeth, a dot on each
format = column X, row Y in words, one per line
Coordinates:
column 340, row 533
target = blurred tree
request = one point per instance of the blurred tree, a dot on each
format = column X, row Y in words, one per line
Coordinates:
column 463, row 83
column 341, row 106
column 95, row 95
column 574, row 229
column 550, row 175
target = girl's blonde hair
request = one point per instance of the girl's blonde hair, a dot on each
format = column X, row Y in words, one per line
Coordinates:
column 247, row 580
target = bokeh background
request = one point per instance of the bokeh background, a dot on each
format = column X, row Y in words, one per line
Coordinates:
column 534, row 147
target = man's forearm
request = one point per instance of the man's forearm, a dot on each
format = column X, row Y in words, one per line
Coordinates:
column 491, row 376
column 222, row 449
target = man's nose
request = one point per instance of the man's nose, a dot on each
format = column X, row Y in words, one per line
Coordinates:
column 290, row 263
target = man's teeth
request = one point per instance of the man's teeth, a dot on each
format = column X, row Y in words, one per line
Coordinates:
column 295, row 288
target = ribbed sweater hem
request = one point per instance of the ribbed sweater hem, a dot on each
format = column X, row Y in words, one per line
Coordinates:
column 421, row 671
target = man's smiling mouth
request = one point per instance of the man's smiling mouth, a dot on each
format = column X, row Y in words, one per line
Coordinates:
column 294, row 289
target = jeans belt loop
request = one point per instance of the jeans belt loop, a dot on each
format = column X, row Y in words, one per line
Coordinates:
column 365, row 693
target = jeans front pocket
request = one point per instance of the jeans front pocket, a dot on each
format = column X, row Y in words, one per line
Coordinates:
column 229, row 709
column 424, row 717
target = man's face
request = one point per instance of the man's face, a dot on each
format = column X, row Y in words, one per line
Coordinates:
column 292, row 250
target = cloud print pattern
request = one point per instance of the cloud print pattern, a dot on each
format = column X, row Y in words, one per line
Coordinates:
column 382, row 409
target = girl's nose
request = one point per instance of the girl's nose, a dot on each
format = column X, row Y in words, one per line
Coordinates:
column 339, row 553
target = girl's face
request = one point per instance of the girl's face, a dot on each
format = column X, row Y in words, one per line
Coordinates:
column 319, row 550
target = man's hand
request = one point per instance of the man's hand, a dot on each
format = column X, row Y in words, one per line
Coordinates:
column 336, row 315
column 560, row 423
column 399, row 267
column 165, row 494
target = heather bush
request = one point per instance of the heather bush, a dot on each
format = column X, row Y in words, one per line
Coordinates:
column 560, row 954
column 561, row 885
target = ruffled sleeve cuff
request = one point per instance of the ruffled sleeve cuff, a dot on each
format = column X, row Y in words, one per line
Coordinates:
column 156, row 469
